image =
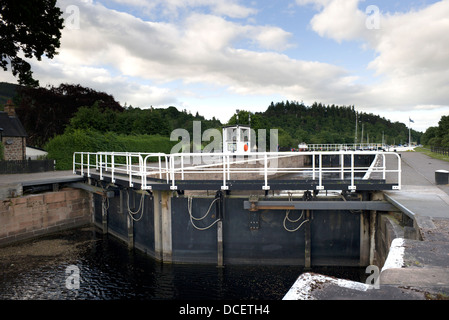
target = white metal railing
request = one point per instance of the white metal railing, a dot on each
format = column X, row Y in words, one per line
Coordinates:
column 169, row 168
column 346, row 147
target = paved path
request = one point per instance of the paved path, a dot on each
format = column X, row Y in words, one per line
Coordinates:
column 26, row 178
column 420, row 196
column 419, row 169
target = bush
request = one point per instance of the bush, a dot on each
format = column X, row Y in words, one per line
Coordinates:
column 2, row 151
column 62, row 147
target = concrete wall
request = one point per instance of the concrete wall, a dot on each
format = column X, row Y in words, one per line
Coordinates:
column 388, row 229
column 32, row 215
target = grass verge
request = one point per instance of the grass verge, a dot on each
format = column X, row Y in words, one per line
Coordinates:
column 431, row 154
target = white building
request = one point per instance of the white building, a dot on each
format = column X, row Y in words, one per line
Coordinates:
column 237, row 139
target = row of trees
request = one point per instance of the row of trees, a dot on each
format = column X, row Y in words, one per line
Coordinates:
column 131, row 120
column 319, row 124
column 437, row 136
column 49, row 112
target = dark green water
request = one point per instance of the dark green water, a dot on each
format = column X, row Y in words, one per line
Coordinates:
column 108, row 270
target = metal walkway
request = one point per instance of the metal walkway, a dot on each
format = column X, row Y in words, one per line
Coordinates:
column 332, row 170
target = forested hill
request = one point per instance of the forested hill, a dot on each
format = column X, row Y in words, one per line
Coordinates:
column 319, row 123
column 7, row 91
column 48, row 112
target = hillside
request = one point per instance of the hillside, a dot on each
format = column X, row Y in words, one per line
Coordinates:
column 7, row 91
column 48, row 112
column 318, row 124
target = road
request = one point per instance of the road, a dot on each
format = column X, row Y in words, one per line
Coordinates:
column 419, row 169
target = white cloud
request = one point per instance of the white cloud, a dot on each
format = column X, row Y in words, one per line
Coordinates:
column 412, row 50
column 340, row 20
column 173, row 8
column 137, row 59
column 202, row 48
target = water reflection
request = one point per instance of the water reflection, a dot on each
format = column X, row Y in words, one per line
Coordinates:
column 109, row 270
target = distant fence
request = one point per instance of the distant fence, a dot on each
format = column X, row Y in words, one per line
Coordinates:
column 440, row 150
column 26, row 166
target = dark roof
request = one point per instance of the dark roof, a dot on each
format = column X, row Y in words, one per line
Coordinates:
column 12, row 127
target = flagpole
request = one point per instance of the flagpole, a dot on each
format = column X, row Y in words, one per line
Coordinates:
column 409, row 135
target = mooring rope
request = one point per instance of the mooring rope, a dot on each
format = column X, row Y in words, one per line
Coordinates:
column 141, row 207
column 293, row 221
column 189, row 208
column 104, row 207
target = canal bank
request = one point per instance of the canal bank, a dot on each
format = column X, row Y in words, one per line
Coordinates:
column 417, row 260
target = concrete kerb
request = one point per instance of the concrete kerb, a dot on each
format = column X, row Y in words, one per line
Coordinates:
column 415, row 269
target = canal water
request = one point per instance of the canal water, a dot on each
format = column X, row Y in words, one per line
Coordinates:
column 84, row 264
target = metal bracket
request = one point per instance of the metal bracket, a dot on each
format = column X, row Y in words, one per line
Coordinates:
column 254, row 215
column 253, row 203
column 254, row 220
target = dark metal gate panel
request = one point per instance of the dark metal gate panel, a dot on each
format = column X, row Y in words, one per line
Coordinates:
column 144, row 226
column 259, row 237
column 117, row 220
column 335, row 238
column 189, row 244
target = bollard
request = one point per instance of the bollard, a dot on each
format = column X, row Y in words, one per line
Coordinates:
column 441, row 177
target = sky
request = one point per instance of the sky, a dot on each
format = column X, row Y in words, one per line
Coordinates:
column 386, row 57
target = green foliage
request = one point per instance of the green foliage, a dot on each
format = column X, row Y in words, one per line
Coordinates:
column 28, row 27
column 438, row 136
column 45, row 112
column 138, row 121
column 319, row 124
column 62, row 147
column 2, row 151
column 7, row 91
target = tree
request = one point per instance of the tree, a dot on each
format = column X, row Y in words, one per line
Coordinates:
column 45, row 112
column 32, row 27
column 429, row 136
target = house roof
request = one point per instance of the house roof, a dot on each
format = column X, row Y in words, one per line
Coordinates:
column 12, row 127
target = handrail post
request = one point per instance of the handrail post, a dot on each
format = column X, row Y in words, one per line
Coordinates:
column 129, row 163
column 342, row 165
column 82, row 163
column 73, row 164
column 160, row 166
column 352, row 186
column 113, row 167
column 172, row 173
column 266, row 186
column 88, row 165
column 320, row 178
column 313, row 165
column 225, row 165
column 142, row 172
column 182, row 167
column 167, row 171
column 101, row 166
column 399, row 173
